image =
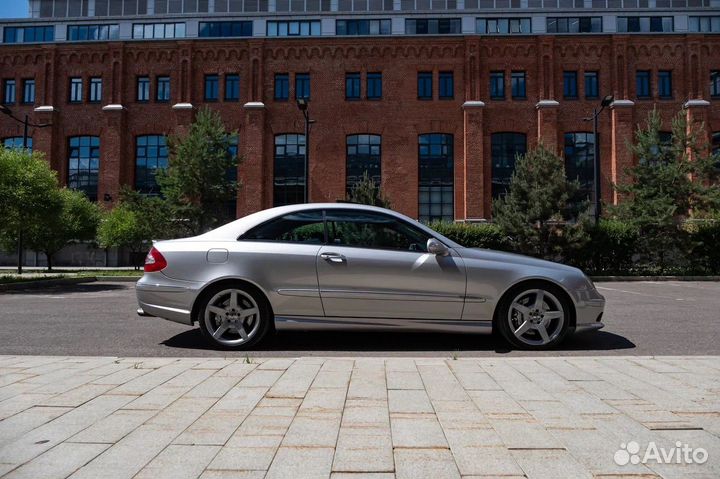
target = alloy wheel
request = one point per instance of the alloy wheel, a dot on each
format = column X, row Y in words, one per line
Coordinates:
column 536, row 317
column 232, row 317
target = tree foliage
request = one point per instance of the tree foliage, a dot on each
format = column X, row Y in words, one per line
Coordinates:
column 368, row 192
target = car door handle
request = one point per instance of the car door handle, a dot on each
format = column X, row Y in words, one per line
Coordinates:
column 333, row 257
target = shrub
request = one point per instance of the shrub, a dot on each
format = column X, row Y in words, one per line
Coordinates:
column 480, row 235
column 612, row 246
column 704, row 252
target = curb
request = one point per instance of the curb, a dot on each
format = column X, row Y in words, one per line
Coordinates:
column 653, row 278
column 119, row 279
column 42, row 283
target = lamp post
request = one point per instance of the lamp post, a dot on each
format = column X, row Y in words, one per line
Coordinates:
column 302, row 105
column 597, row 197
column 26, row 123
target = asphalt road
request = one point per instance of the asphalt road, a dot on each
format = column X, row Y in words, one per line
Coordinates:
column 642, row 318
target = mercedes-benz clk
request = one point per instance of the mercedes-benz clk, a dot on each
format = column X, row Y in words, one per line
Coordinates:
column 348, row 267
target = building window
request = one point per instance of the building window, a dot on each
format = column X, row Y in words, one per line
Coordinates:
column 9, row 92
column 579, row 163
column 302, row 86
column 570, row 85
column 84, row 165
column 705, row 24
column 28, row 92
column 95, row 90
column 149, row 31
column 76, row 90
column 433, row 26
column 374, row 86
column 232, row 87
column 502, row 26
column 82, row 33
column 162, row 90
column 295, row 28
column 143, row 89
column 645, row 24
column 436, row 164
column 352, row 86
column 497, row 85
column 212, row 87
column 518, row 85
column 574, row 24
column 715, row 146
column 592, row 85
column 28, row 34
column 289, row 170
column 225, row 29
column 505, row 147
column 16, row 142
column 363, row 156
column 642, row 84
column 282, row 87
column 447, row 86
column 174, row 6
column 715, row 84
column 151, row 154
column 665, row 84
column 363, row 27
column 425, row 85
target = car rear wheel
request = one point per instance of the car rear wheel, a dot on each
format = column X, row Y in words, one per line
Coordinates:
column 233, row 317
column 535, row 315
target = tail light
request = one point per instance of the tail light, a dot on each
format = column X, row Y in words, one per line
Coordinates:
column 154, row 261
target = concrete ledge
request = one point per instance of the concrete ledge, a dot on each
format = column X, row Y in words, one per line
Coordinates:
column 654, row 278
column 254, row 105
column 182, row 106
column 45, row 109
column 696, row 103
column 473, row 104
column 622, row 104
column 113, row 107
column 547, row 104
column 44, row 283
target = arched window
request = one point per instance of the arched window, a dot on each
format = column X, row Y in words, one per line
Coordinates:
column 151, row 154
column 84, row 164
column 580, row 161
column 504, row 149
column 289, row 169
column 436, row 161
column 17, row 142
column 363, row 155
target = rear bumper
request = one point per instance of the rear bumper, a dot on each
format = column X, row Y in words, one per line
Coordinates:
column 166, row 298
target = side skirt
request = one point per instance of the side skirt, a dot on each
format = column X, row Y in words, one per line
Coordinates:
column 307, row 323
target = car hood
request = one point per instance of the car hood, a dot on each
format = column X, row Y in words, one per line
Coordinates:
column 513, row 258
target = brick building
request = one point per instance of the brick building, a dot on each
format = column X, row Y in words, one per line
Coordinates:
column 433, row 101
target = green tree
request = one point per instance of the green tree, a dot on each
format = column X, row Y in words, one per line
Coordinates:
column 27, row 184
column 536, row 213
column 74, row 218
column 196, row 183
column 368, row 192
column 671, row 182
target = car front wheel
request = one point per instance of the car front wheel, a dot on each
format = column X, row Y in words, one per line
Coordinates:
column 233, row 317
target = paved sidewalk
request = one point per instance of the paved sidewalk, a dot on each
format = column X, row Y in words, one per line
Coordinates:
column 95, row 418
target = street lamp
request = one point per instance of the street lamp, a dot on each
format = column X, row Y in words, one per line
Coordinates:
column 302, row 105
column 597, row 197
column 26, row 123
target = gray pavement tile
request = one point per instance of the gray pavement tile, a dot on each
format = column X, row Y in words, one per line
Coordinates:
column 404, row 380
column 313, row 430
column 523, row 433
column 247, row 453
column 362, row 475
column 335, row 364
column 214, row 427
column 280, row 364
column 332, row 379
column 213, row 387
column 301, row 463
column 211, row 474
column 179, row 462
column 323, row 400
column 485, row 461
column 260, row 378
column 17, row 425
column 295, row 381
column 237, row 370
column 425, row 463
column 417, row 430
column 114, row 427
column 121, row 377
column 496, row 402
column 550, row 464
column 409, row 401
column 59, row 462
column 76, row 397
column 364, row 450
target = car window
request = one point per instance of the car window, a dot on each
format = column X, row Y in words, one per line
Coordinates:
column 373, row 230
column 299, row 227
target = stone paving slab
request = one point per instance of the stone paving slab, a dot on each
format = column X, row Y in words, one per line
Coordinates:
column 359, row 418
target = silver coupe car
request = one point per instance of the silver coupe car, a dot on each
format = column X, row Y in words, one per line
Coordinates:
column 349, row 267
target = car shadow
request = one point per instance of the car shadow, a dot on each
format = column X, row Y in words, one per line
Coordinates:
column 399, row 342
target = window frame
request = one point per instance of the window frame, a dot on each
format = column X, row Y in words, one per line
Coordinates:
column 517, row 75
column 88, row 170
column 95, row 84
column 570, row 85
column 592, row 75
column 664, row 79
column 75, row 90
column 425, row 81
column 352, row 86
column 646, row 77
column 497, row 85
column 163, row 85
column 211, row 85
column 281, row 80
column 446, row 78
column 425, row 140
column 232, row 82
column 714, row 83
column 373, row 86
column 143, row 95
column 28, row 82
column 302, row 82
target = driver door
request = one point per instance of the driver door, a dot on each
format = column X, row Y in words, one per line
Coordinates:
column 377, row 266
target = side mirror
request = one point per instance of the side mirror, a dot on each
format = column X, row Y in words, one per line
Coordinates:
column 437, row 248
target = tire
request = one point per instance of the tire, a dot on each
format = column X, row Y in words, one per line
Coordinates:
column 238, row 323
column 527, row 324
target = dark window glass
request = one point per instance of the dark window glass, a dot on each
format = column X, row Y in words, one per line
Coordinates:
column 642, row 84
column 502, row 26
column 289, row 171
column 574, row 24
column 570, row 85
column 504, row 149
column 232, row 87
column 302, row 86
column 95, row 90
column 79, row 33
column 306, row 227
column 225, row 29
column 282, row 86
column 151, row 154
column 16, row 142
column 363, row 27
column 579, row 163
column 715, row 83
column 447, row 86
column 497, row 85
column 592, row 85
column 76, row 90
column 163, row 89
column 28, row 34
column 364, row 229
column 143, row 89
column 645, row 24
column 10, row 35
column 665, row 84
column 436, row 166
column 294, row 28
column 433, row 26
column 363, row 156
column 9, row 92
column 518, row 85
column 352, row 86
column 212, row 87
column 84, row 164
column 28, row 91
column 716, row 148
column 425, row 85
column 374, row 86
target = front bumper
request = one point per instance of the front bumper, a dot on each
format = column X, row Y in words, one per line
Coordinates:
column 589, row 314
column 166, row 298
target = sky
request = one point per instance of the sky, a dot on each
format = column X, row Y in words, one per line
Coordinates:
column 13, row 8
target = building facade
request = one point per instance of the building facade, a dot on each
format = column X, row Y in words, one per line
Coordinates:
column 432, row 97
